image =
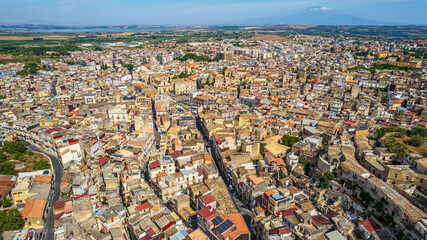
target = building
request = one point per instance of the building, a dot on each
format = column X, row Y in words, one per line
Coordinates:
column 33, row 213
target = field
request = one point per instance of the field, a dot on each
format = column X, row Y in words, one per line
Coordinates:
column 267, row 37
column 49, row 37
column 420, row 150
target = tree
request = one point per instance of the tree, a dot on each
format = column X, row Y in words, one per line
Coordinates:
column 405, row 51
column 7, row 168
column 302, row 160
column 3, row 158
column 130, row 68
column 41, row 165
column 416, row 140
column 18, row 156
column 207, row 83
column 324, row 182
column 288, row 140
column 329, row 175
column 13, row 147
column 224, row 69
column 10, row 220
column 394, row 146
column 325, row 142
column 104, row 66
column 7, row 202
column 419, row 130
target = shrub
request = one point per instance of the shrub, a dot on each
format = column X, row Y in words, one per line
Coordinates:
column 7, row 202
column 416, row 140
column 288, row 140
column 41, row 165
column 3, row 158
column 394, row 146
column 419, row 130
column 18, row 156
column 398, row 135
column 7, row 168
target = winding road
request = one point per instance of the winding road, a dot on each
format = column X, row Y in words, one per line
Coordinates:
column 56, row 185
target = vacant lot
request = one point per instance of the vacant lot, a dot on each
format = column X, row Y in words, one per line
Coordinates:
column 28, row 160
column 420, row 150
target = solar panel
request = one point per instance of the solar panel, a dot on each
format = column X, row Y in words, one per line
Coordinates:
column 217, row 220
column 224, row 226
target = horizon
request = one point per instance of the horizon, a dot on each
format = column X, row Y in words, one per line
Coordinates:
column 214, row 13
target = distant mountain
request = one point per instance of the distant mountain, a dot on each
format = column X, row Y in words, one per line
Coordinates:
column 316, row 15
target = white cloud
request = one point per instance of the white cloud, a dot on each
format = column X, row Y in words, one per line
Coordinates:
column 319, row 8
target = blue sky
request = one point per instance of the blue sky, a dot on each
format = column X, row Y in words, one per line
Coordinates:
column 199, row 12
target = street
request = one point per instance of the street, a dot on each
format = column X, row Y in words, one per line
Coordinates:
column 246, row 212
column 56, row 184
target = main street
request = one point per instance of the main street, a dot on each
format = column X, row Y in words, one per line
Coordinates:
column 56, row 185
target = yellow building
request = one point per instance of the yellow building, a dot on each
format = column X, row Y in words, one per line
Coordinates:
column 48, row 123
column 21, row 192
column 33, row 213
column 394, row 104
column 362, row 131
column 403, row 174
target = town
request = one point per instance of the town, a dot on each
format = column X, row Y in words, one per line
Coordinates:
column 300, row 137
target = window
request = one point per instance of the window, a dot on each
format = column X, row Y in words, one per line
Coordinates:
column 395, row 175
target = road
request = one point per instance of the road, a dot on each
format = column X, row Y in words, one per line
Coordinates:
column 246, row 212
column 57, row 176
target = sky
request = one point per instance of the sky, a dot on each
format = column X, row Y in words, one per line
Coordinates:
column 199, row 12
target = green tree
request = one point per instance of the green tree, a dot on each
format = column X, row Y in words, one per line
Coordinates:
column 10, row 220
column 41, row 165
column 7, row 168
column 329, row 175
column 129, row 67
column 104, row 66
column 224, row 69
column 324, row 182
column 18, row 156
column 7, row 202
column 3, row 158
column 288, row 140
column 325, row 142
column 419, row 130
column 394, row 146
column 302, row 160
column 13, row 147
column 416, row 140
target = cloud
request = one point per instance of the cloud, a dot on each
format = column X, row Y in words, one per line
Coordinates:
column 319, row 8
